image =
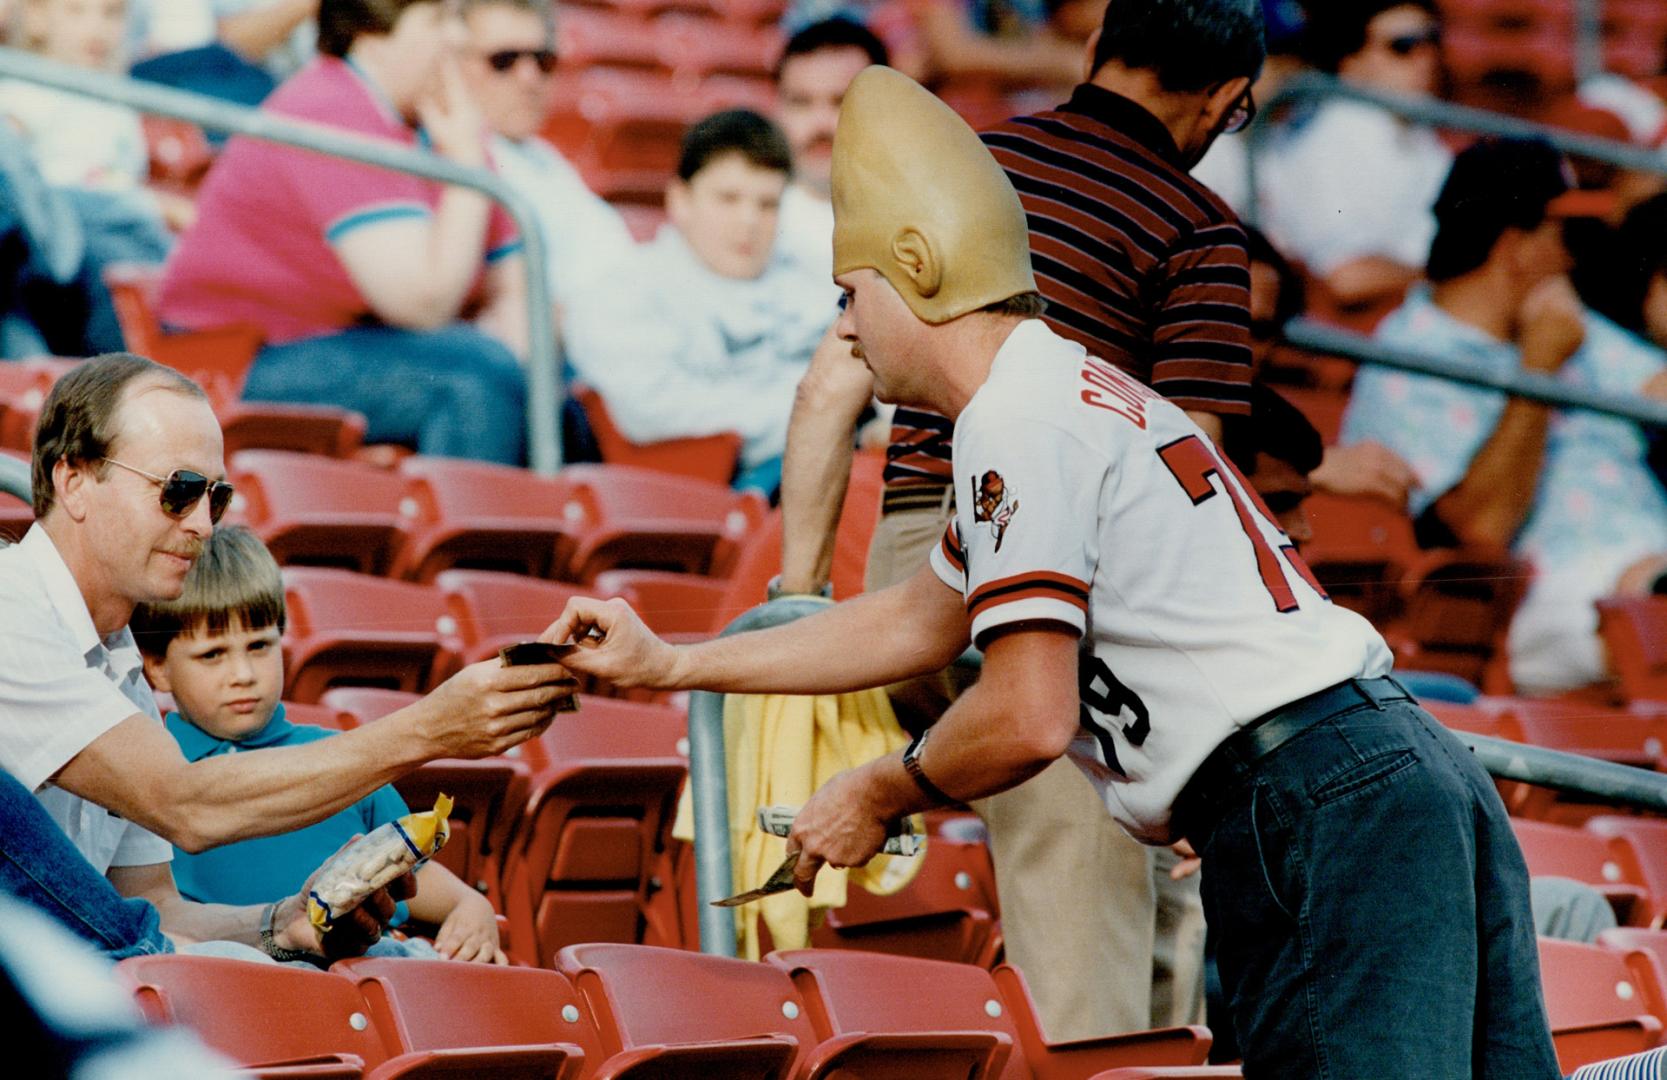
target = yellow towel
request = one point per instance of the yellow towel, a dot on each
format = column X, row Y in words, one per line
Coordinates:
column 780, row 749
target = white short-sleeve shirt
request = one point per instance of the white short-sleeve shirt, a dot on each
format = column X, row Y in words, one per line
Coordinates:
column 1085, row 499
column 62, row 685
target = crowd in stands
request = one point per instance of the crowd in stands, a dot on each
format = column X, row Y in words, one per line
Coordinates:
column 692, row 299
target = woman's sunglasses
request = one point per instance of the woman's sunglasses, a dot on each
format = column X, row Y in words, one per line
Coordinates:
column 504, row 60
column 182, row 489
column 1407, row 44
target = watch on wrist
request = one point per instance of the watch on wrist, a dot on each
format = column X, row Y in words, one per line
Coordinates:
column 269, row 945
column 911, row 765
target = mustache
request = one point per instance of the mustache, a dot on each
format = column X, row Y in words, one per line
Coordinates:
column 187, row 551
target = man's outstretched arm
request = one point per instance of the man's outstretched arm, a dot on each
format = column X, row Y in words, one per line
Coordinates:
column 915, row 627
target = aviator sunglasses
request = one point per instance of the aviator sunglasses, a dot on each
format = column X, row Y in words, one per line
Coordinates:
column 182, row 489
column 504, row 60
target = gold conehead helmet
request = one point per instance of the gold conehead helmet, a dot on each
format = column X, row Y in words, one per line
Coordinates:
column 918, row 198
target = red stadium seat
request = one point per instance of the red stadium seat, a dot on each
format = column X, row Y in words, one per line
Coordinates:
column 483, row 516
column 712, row 457
column 1628, row 939
column 948, row 912
column 1607, row 863
column 1602, row 1004
column 179, row 151
column 267, row 1016
column 360, row 705
column 16, row 515
column 604, row 786
column 587, row 37
column 1359, row 550
column 1635, row 737
column 683, row 607
column 694, row 48
column 349, row 629
column 322, row 715
column 492, row 609
column 630, row 517
column 622, row 129
column 313, row 510
column 1647, row 837
column 851, row 992
column 686, row 1014
column 1455, row 608
column 441, row 1005
column 1634, row 631
column 24, row 385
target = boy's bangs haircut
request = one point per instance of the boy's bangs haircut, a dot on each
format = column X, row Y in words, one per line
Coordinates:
column 235, row 582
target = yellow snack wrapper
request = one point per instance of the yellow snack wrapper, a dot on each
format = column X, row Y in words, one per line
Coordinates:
column 374, row 860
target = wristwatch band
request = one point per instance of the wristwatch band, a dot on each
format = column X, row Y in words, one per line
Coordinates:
column 270, row 946
column 911, row 765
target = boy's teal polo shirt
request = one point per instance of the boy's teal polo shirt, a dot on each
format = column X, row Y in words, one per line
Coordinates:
column 271, row 867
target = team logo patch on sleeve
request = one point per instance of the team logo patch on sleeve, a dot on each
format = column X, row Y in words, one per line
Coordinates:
column 994, row 503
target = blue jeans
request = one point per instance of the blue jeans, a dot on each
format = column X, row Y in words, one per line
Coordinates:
column 1370, row 906
column 40, row 866
column 453, row 392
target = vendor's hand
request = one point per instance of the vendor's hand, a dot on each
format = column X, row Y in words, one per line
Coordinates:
column 452, row 119
column 470, row 932
column 487, row 708
column 836, row 827
column 1190, row 863
column 616, row 645
column 1365, row 468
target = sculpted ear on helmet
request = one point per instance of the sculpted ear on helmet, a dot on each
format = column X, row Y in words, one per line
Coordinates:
column 918, row 260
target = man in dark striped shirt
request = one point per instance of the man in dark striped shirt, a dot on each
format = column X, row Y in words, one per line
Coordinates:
column 1146, row 268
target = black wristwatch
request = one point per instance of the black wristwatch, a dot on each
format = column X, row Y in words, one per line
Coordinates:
column 270, row 946
column 911, row 765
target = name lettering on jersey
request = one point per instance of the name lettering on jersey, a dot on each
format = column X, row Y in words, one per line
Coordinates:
column 1113, row 391
column 994, row 504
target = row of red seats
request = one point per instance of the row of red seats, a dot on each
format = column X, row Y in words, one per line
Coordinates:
column 634, row 1011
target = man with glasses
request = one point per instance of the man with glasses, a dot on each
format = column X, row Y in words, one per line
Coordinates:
column 509, row 64
column 1147, row 269
column 1347, row 188
column 127, row 485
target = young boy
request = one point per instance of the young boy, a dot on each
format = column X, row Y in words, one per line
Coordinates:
column 216, row 650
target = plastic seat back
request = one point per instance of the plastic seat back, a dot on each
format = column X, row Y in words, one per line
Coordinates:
column 1635, row 633
column 1598, row 1005
column 493, row 609
column 604, row 786
column 948, row 912
column 353, row 629
column 443, row 1005
column 476, row 514
column 1607, row 863
column 314, row 510
column 630, row 517
column 1358, row 552
column 697, row 1015
column 711, row 458
column 682, row 605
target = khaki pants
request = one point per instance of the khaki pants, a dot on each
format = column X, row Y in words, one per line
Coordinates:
column 1107, row 942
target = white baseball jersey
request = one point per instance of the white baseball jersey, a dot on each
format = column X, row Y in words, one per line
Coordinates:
column 1086, row 499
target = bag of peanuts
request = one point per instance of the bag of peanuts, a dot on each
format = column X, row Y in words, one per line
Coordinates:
column 374, row 860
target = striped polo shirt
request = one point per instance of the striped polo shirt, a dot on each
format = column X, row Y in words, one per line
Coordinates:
column 1139, row 262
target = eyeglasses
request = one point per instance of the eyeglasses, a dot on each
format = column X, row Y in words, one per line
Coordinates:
column 1241, row 116
column 1407, row 44
column 182, row 489
column 504, row 60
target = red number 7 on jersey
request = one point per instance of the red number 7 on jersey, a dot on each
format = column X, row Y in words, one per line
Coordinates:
column 1192, row 464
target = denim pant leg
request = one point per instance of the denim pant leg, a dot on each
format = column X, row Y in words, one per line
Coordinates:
column 1372, row 910
column 40, row 866
column 452, row 392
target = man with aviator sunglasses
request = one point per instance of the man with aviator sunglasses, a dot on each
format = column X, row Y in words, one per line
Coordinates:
column 508, row 64
column 127, row 487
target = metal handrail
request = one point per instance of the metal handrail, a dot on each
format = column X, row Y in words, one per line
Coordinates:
column 1319, row 337
column 543, row 372
column 709, row 783
column 1433, row 112
column 1573, row 773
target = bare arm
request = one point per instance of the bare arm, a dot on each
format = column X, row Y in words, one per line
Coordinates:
column 817, row 466
column 954, row 48
column 1368, row 279
column 1490, row 503
column 1209, row 423
column 505, row 314
column 416, row 273
column 136, row 770
column 1018, row 717
column 258, row 30
column 912, row 628
column 468, row 925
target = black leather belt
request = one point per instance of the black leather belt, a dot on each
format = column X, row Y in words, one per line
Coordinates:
column 931, row 495
column 1224, row 771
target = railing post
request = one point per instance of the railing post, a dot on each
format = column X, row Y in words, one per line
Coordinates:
column 709, row 784
column 544, row 388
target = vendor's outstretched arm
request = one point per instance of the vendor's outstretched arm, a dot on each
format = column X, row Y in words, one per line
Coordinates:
column 1019, row 716
column 912, row 628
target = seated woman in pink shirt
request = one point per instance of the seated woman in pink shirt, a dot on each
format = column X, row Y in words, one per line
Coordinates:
column 378, row 291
